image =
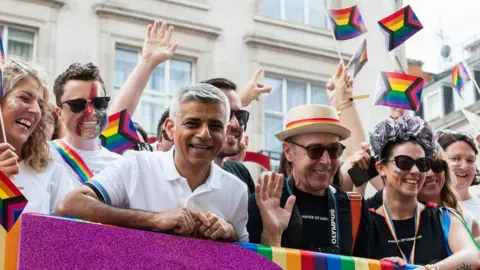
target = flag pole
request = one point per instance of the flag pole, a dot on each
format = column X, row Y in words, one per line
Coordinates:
column 470, row 73
column 336, row 42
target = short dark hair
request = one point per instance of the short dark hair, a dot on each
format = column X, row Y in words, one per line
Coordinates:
column 76, row 71
column 222, row 83
column 141, row 131
column 164, row 117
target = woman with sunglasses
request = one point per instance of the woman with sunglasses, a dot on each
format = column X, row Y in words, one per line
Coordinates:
column 460, row 152
column 404, row 230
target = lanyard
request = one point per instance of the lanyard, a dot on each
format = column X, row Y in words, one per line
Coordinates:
column 73, row 160
column 333, row 213
column 391, row 227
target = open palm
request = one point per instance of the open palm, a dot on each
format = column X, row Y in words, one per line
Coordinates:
column 157, row 47
column 268, row 191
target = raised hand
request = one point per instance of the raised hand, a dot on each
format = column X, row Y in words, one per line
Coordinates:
column 254, row 89
column 182, row 221
column 362, row 157
column 157, row 47
column 268, row 192
column 219, row 228
column 340, row 86
column 8, row 160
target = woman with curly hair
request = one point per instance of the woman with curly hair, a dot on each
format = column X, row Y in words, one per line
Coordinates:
column 403, row 229
column 461, row 154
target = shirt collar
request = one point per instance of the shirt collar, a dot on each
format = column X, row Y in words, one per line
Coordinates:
column 171, row 172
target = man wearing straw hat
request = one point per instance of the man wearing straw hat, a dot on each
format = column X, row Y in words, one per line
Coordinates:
column 305, row 211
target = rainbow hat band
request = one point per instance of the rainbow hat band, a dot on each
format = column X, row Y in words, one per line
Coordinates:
column 313, row 118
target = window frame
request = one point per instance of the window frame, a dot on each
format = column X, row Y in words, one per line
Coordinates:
column 426, row 101
column 284, row 112
column 5, row 36
column 306, row 13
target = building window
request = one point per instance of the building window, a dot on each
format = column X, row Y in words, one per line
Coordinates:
column 433, row 106
column 166, row 79
column 311, row 12
column 286, row 94
column 18, row 43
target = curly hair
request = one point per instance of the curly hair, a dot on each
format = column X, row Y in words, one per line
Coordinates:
column 406, row 128
column 53, row 117
column 35, row 151
column 76, row 71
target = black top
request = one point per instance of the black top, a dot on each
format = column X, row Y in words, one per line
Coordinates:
column 376, row 200
column 303, row 232
column 240, row 171
column 430, row 247
column 313, row 217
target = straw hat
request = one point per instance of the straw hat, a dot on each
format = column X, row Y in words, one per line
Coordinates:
column 313, row 118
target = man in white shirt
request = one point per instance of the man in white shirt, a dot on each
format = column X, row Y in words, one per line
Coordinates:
column 182, row 190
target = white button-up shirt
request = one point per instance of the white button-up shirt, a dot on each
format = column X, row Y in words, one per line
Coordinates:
column 150, row 181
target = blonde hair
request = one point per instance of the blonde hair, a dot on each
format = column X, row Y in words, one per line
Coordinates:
column 448, row 195
column 35, row 151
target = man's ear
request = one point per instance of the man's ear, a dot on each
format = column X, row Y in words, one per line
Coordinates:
column 288, row 150
column 169, row 127
column 58, row 111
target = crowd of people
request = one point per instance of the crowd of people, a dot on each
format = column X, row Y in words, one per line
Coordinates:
column 192, row 181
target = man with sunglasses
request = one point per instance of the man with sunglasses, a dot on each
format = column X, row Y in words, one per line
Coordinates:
column 238, row 125
column 305, row 211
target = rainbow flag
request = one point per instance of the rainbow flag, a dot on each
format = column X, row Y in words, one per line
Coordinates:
column 346, row 23
column 398, row 90
column 294, row 259
column 120, row 133
column 399, row 26
column 460, row 77
column 12, row 202
column 360, row 58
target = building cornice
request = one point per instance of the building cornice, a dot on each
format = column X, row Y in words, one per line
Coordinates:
column 120, row 12
column 52, row 3
column 201, row 5
column 258, row 40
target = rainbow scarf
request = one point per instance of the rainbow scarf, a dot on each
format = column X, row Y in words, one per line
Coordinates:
column 390, row 225
column 306, row 260
column 73, row 160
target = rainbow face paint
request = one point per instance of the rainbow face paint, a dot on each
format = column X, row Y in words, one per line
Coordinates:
column 396, row 174
column 93, row 121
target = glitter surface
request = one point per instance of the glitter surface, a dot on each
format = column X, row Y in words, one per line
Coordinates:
column 52, row 243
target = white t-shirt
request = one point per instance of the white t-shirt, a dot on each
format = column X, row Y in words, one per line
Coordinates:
column 64, row 179
column 149, row 181
column 473, row 206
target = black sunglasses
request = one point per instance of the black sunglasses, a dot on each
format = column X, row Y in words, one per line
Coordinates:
column 242, row 117
column 79, row 105
column 143, row 147
column 405, row 163
column 439, row 165
column 315, row 151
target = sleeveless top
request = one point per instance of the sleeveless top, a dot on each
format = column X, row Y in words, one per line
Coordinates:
column 430, row 247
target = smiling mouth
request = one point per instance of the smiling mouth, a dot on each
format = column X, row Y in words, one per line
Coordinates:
column 430, row 183
column 411, row 181
column 321, row 172
column 25, row 123
column 200, row 147
column 88, row 124
column 461, row 174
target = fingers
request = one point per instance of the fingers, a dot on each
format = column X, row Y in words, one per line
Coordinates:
column 290, row 203
column 258, row 192
column 330, row 85
column 257, row 75
column 262, row 89
column 344, row 74
column 395, row 260
column 200, row 216
column 173, row 47
column 364, row 146
column 339, row 71
column 154, row 32
column 272, row 183
column 169, row 34
column 279, row 186
column 264, row 184
column 10, row 170
column 149, row 30
column 161, row 32
column 6, row 146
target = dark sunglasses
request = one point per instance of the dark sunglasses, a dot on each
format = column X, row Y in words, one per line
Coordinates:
column 242, row 117
column 79, row 105
column 315, row 151
column 438, row 165
column 405, row 163
column 165, row 136
column 143, row 147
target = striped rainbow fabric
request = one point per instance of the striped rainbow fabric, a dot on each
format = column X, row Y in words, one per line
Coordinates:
column 294, row 259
